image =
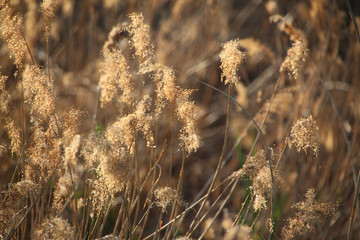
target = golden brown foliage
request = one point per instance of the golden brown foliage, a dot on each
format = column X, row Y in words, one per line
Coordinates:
column 11, row 206
column 231, row 57
column 55, row 228
column 115, row 76
column 166, row 196
column 11, row 27
column 307, row 214
column 40, row 92
column 140, row 39
column 295, row 59
column 104, row 116
column 304, row 136
column 48, row 8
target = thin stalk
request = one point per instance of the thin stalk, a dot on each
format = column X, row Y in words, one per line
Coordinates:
column 351, row 156
column 242, row 208
column 142, row 186
column 145, row 221
column 320, row 229
column 353, row 19
column 23, row 110
column 136, row 164
column 248, row 209
column 118, row 219
column 17, row 163
column 96, row 107
column 73, row 208
column 158, row 226
column 172, row 127
column 134, row 202
column 272, row 200
column 152, row 169
column 178, row 189
column 218, row 166
column 358, row 176
column 11, row 233
column 50, row 192
column 148, row 196
column 212, row 205
column 228, row 157
column 75, row 200
column 220, row 209
column 32, row 221
column 92, row 233
column 261, row 134
column 83, row 215
column 154, row 180
column 151, row 190
column 127, row 213
column 48, row 59
column 183, row 212
column 137, row 209
column 141, row 219
column 256, row 218
column 87, row 218
column 105, row 218
column 23, row 228
column 27, row 47
column 280, row 157
column 353, row 208
column 348, row 144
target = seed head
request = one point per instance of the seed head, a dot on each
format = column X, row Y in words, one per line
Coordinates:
column 231, row 57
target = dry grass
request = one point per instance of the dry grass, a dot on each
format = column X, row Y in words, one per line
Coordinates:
column 116, row 122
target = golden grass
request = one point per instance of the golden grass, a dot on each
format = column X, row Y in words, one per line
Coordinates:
column 115, row 123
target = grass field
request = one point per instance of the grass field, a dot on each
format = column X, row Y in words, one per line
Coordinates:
column 179, row 119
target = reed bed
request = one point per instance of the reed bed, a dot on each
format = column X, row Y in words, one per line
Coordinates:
column 179, row 119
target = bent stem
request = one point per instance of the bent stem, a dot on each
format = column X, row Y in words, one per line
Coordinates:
column 192, row 227
column 262, row 137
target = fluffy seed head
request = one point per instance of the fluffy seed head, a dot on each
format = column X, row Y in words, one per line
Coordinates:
column 10, row 28
column 48, row 8
column 304, row 136
column 262, row 185
column 257, row 169
column 71, row 150
column 307, row 217
column 4, row 95
column 15, row 135
column 140, row 39
column 144, row 120
column 122, row 132
column 11, row 203
column 71, row 122
column 165, row 196
column 63, row 189
column 295, row 59
column 54, row 228
column 260, row 202
column 114, row 172
column 286, row 27
column 41, row 97
column 164, row 78
column 115, row 76
column 231, row 57
column 186, row 112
